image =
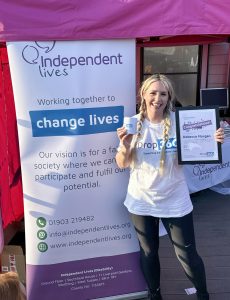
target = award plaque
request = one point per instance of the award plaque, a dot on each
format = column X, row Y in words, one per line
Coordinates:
column 195, row 129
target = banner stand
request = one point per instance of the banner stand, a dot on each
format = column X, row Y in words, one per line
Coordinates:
column 70, row 98
column 141, row 295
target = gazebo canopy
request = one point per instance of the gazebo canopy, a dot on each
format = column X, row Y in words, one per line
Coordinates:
column 107, row 19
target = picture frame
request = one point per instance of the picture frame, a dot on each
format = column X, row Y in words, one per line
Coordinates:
column 195, row 129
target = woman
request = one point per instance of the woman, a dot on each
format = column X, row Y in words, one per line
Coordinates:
column 157, row 188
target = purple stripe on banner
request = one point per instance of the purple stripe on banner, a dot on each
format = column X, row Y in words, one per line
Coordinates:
column 86, row 279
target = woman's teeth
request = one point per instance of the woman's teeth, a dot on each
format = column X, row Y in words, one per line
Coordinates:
column 156, row 105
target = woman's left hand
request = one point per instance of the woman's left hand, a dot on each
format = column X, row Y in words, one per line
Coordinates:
column 219, row 135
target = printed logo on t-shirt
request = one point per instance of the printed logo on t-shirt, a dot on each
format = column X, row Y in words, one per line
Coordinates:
column 158, row 144
column 171, row 144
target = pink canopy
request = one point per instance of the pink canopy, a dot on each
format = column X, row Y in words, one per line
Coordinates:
column 106, row 19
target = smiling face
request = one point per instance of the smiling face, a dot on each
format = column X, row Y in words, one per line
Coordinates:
column 156, row 97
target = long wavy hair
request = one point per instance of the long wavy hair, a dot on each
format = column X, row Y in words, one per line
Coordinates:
column 166, row 114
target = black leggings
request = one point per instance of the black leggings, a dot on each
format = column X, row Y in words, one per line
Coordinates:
column 181, row 234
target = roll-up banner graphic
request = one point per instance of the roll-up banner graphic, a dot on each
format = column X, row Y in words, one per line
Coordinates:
column 70, row 98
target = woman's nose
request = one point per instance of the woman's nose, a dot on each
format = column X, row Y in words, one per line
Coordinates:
column 157, row 96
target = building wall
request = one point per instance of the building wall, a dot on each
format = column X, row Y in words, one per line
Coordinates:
column 218, row 65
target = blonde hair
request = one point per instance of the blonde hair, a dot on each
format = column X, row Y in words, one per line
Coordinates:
column 166, row 114
column 10, row 287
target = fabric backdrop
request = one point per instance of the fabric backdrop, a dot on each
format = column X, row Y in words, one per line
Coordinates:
column 106, row 19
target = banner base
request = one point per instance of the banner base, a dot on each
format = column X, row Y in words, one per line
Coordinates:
column 140, row 295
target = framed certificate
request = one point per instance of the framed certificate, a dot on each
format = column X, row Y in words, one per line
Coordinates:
column 195, row 129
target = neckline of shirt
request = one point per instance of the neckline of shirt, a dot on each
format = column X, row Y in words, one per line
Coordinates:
column 150, row 124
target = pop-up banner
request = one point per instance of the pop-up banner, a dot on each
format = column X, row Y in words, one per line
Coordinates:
column 70, row 98
column 204, row 176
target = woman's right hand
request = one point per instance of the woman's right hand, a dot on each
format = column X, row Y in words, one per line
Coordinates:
column 125, row 139
column 123, row 156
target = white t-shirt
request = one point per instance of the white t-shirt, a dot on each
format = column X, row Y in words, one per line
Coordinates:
column 149, row 192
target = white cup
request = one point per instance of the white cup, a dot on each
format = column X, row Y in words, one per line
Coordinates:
column 130, row 123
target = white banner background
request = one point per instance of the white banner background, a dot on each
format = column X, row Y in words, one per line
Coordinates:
column 73, row 190
column 203, row 176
